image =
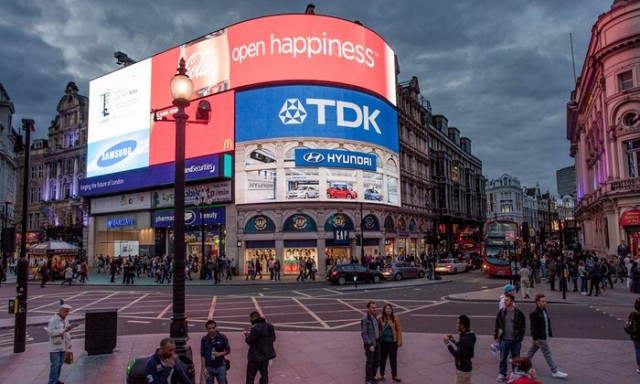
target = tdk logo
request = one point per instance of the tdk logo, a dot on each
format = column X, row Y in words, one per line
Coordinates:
column 293, row 112
column 117, row 153
column 313, row 157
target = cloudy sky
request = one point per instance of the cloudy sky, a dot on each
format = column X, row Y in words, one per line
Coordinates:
column 499, row 70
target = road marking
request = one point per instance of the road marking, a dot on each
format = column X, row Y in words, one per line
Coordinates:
column 95, row 302
column 164, row 311
column 138, row 321
column 350, row 306
column 311, row 313
column 301, row 294
column 255, row 304
column 452, row 316
column 57, row 302
column 133, row 302
column 333, row 291
column 212, row 307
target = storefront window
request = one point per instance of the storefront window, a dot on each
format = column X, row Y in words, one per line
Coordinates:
column 292, row 258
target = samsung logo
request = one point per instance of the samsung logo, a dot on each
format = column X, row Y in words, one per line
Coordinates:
column 117, row 153
column 313, row 157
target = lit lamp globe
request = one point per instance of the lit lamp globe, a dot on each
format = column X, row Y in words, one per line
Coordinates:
column 181, row 85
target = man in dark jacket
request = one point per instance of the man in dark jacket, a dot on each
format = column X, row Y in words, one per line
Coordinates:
column 509, row 332
column 214, row 346
column 164, row 364
column 540, row 330
column 260, row 340
column 462, row 350
column 370, row 332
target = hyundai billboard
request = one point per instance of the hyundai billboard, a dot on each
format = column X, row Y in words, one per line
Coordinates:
column 315, row 143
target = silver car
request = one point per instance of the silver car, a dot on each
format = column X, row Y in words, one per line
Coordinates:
column 451, row 266
column 399, row 271
column 303, row 192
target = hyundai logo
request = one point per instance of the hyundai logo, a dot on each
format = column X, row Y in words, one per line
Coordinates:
column 313, row 157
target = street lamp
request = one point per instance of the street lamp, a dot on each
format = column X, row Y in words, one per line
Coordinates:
column 20, row 331
column 181, row 91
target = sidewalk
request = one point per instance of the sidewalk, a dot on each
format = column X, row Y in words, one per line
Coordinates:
column 334, row 357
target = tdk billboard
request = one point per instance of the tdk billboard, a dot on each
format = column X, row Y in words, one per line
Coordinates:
column 315, row 111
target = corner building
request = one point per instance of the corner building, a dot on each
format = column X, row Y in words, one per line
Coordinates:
column 603, row 126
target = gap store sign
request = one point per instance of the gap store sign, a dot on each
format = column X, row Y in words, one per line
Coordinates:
column 315, row 111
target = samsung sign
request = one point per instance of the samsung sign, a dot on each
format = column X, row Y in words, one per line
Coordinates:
column 315, row 111
column 305, row 157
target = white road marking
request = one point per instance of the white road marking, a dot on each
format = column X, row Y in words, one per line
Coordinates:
column 133, row 302
column 164, row 311
column 333, row 291
column 138, row 321
column 56, row 302
column 255, row 304
column 350, row 306
column 452, row 316
column 311, row 313
column 301, row 294
column 212, row 307
column 94, row 302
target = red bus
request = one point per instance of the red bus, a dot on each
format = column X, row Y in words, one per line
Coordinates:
column 501, row 242
column 468, row 240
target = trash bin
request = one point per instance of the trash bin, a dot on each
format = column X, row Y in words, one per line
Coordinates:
column 101, row 331
column 135, row 369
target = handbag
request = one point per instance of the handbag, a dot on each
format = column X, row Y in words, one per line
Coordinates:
column 227, row 364
column 68, row 357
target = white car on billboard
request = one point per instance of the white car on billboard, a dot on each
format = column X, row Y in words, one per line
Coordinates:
column 303, row 192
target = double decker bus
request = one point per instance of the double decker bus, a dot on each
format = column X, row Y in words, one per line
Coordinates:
column 501, row 242
column 468, row 240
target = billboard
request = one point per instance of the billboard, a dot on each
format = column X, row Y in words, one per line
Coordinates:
column 315, row 111
column 315, row 143
column 123, row 135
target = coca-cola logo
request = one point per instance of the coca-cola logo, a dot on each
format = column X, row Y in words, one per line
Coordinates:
column 198, row 65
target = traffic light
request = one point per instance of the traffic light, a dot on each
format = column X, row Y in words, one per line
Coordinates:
column 358, row 239
column 525, row 232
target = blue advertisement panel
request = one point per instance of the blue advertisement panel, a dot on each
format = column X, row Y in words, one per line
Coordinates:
column 205, row 167
column 212, row 215
column 305, row 157
column 315, row 111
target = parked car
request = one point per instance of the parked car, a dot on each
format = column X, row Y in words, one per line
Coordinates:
column 303, row 192
column 340, row 193
column 399, row 271
column 451, row 266
column 372, row 194
column 341, row 274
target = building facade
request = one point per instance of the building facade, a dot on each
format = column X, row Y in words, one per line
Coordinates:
column 566, row 181
column 505, row 199
column 57, row 164
column 603, row 126
column 9, row 142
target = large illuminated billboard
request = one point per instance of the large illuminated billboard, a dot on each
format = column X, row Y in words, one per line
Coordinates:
column 123, row 136
column 315, row 143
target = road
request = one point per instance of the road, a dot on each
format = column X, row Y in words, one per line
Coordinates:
column 301, row 307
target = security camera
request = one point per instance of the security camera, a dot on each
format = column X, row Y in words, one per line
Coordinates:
column 203, row 113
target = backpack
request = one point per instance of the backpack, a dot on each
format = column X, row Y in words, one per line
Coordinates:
column 631, row 326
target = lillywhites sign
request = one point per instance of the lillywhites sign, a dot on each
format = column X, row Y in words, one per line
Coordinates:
column 305, row 157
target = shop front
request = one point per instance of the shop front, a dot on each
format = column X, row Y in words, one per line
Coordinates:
column 123, row 235
column 630, row 221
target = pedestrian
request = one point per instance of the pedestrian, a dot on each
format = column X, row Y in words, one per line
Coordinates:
column 635, row 277
column 59, row 331
column 525, row 280
column 523, row 372
column 302, row 265
column 84, row 270
column 162, row 367
column 44, row 273
column 214, row 346
column 113, row 270
column 509, row 331
column 390, row 341
column 68, row 275
column 276, row 268
column 595, row 274
column 462, row 350
column 370, row 332
column 261, row 349
column 551, row 273
column 540, row 331
column 270, row 268
column 632, row 327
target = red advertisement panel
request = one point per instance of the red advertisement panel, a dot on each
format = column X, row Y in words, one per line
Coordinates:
column 280, row 48
column 214, row 136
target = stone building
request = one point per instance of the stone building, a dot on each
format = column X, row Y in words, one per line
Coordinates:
column 603, row 126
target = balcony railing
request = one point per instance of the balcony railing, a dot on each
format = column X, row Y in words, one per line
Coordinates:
column 609, row 189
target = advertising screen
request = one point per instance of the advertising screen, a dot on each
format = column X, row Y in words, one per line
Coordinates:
column 315, row 143
column 315, row 111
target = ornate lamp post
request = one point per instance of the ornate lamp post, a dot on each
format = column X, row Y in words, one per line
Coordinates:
column 181, row 91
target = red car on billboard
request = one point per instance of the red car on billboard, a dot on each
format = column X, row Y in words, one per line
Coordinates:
column 340, row 192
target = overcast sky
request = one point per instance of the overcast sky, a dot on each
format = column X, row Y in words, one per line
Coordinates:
column 499, row 70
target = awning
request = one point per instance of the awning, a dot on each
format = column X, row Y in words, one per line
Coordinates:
column 630, row 218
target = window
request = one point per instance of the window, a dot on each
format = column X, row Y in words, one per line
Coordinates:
column 625, row 81
column 632, row 149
